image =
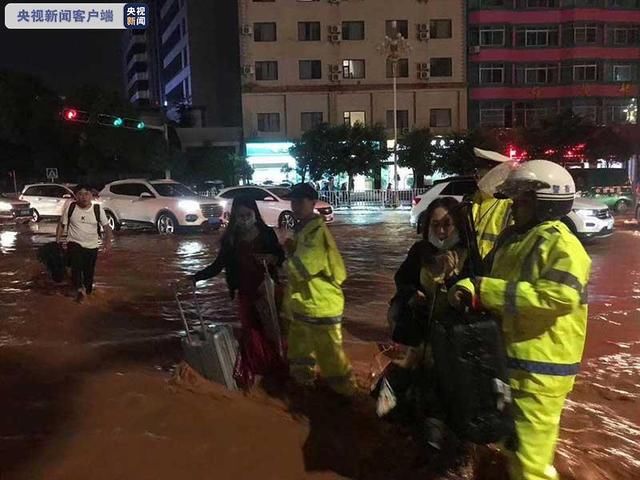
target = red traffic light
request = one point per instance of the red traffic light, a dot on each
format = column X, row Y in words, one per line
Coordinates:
column 70, row 114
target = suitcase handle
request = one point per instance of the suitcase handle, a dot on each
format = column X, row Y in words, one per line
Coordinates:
column 176, row 287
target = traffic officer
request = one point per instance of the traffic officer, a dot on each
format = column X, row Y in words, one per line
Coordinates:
column 314, row 300
column 490, row 215
column 537, row 287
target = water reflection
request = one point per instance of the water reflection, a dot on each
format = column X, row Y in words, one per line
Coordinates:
column 8, row 241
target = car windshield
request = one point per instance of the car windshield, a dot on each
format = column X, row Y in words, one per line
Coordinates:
column 279, row 191
column 173, row 190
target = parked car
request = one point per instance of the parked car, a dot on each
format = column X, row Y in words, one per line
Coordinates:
column 272, row 203
column 588, row 218
column 47, row 199
column 14, row 210
column 164, row 204
column 619, row 199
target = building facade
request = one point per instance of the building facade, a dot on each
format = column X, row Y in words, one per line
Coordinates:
column 529, row 59
column 309, row 62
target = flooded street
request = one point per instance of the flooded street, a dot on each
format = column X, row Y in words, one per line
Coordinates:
column 85, row 390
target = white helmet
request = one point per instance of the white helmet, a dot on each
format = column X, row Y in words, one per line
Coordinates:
column 552, row 183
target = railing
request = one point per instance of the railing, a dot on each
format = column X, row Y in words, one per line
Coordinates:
column 339, row 199
column 370, row 198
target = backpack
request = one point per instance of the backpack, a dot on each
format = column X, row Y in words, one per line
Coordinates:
column 96, row 212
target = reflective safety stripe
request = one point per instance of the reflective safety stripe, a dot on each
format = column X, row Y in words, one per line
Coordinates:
column 584, row 297
column 510, row 305
column 564, row 278
column 544, row 368
column 488, row 237
column 302, row 362
column 300, row 268
column 318, row 321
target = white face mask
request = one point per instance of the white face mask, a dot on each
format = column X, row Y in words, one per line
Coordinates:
column 246, row 223
column 446, row 244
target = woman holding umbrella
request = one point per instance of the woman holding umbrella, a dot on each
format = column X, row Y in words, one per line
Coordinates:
column 246, row 248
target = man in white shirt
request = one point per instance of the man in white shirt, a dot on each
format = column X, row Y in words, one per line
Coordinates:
column 84, row 221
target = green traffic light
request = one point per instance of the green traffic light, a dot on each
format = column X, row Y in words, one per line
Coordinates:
column 118, row 122
column 140, row 125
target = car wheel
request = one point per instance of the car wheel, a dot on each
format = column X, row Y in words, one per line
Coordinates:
column 35, row 216
column 166, row 224
column 113, row 223
column 622, row 206
column 287, row 221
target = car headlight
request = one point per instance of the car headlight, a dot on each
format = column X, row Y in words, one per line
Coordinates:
column 189, row 206
column 586, row 213
column 5, row 206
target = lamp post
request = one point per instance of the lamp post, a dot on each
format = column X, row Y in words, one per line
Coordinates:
column 393, row 48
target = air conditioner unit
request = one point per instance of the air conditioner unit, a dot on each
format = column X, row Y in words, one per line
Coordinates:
column 475, row 50
column 423, row 36
column 334, row 77
column 248, row 70
column 423, row 67
column 246, row 30
column 423, row 75
column 335, row 38
column 334, row 68
column 423, row 27
column 335, row 29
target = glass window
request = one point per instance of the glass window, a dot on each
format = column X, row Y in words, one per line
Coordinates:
column 625, row 36
column 491, row 74
column 267, row 70
column 585, row 34
column 585, row 73
column 130, row 189
column 492, row 37
column 310, row 69
column 353, row 69
column 441, row 67
column 622, row 73
column 542, row 3
column 268, row 122
column 402, row 68
column 310, row 120
column 460, row 189
column 393, row 27
column 440, row 28
column 264, row 32
column 537, row 36
column 352, row 30
column 492, row 117
column 351, row 118
column 309, row 31
column 540, row 74
column 440, row 117
column 402, row 118
column 172, row 190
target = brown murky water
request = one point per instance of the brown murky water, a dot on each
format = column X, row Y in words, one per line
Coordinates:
column 84, row 389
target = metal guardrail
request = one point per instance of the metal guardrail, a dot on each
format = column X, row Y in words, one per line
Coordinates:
column 361, row 199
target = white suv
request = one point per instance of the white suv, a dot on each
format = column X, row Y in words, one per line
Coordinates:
column 274, row 208
column 47, row 199
column 588, row 218
column 165, row 204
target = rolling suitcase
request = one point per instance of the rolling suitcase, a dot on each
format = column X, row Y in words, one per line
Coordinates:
column 213, row 350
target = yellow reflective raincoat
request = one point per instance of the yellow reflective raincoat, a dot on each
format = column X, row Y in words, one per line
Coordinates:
column 315, row 303
column 490, row 217
column 537, row 287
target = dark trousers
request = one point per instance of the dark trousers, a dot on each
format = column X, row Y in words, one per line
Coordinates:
column 83, row 265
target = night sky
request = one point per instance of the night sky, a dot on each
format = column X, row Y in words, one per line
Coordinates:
column 64, row 59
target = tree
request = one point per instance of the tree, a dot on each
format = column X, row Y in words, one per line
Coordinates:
column 607, row 143
column 417, row 150
column 242, row 170
column 313, row 152
column 356, row 150
column 454, row 154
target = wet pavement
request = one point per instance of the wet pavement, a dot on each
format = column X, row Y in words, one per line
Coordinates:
column 69, row 373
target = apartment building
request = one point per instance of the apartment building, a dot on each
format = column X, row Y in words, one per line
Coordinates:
column 531, row 58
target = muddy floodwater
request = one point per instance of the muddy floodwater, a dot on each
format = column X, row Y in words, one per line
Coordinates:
column 92, row 391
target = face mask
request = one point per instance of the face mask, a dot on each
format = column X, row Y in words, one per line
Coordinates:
column 246, row 223
column 446, row 244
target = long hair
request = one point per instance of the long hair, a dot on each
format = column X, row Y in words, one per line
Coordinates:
column 456, row 212
column 228, row 239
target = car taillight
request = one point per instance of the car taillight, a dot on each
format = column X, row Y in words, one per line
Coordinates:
column 416, row 201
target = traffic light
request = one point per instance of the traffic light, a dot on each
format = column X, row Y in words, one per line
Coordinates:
column 73, row 115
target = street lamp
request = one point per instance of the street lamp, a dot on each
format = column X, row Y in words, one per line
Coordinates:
column 393, row 48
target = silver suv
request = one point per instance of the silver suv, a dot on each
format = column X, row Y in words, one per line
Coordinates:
column 164, row 204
